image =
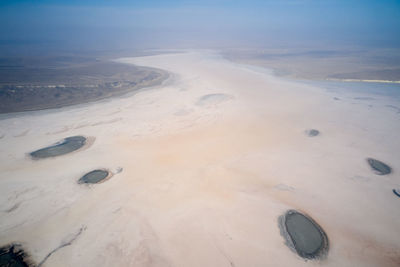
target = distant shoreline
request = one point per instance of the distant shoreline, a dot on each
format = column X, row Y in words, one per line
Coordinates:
column 305, row 64
column 361, row 80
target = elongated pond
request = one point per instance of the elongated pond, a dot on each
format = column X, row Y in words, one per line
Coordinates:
column 63, row 147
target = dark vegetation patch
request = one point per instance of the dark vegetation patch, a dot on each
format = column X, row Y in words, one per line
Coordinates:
column 95, row 177
column 303, row 235
column 34, row 84
column 63, row 147
column 379, row 167
column 13, row 256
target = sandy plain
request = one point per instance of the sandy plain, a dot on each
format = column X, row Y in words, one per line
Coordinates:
column 210, row 159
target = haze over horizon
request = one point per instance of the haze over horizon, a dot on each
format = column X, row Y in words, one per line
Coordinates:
column 32, row 26
column 199, row 133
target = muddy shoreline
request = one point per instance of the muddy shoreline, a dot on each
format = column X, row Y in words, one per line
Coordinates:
column 34, row 88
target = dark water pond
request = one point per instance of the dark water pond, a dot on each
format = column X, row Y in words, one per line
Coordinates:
column 11, row 256
column 94, row 177
column 63, row 147
column 303, row 235
column 379, row 167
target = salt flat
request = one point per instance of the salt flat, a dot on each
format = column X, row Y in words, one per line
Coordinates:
column 210, row 160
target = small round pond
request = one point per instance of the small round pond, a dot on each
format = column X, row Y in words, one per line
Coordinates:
column 303, row 235
column 312, row 132
column 379, row 167
column 95, row 177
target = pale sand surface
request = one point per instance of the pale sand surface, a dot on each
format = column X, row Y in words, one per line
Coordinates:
column 203, row 184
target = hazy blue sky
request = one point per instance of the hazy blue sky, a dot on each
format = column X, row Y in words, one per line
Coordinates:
column 157, row 23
